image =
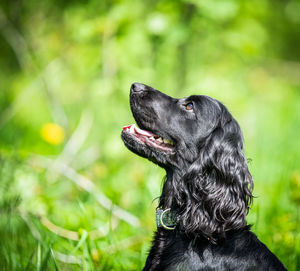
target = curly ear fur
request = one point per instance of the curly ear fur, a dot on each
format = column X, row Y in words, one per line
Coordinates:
column 216, row 192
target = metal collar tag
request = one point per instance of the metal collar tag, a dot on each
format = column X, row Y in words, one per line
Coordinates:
column 165, row 219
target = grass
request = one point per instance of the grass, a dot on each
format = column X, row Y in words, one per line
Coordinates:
column 66, row 69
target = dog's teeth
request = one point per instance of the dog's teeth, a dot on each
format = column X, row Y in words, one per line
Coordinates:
column 160, row 140
column 132, row 129
column 167, row 141
column 152, row 138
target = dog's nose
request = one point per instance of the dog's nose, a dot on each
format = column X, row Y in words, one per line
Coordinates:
column 137, row 87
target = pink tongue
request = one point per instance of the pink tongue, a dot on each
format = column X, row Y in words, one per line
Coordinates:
column 143, row 132
column 138, row 130
column 126, row 127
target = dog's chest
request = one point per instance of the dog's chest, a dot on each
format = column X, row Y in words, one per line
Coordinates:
column 188, row 261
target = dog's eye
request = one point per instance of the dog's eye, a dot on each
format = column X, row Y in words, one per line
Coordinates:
column 189, row 106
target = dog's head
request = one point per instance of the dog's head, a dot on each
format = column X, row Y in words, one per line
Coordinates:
column 199, row 141
column 173, row 131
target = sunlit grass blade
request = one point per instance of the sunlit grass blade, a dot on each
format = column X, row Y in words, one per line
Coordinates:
column 54, row 260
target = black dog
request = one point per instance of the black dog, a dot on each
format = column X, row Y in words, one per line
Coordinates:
column 201, row 216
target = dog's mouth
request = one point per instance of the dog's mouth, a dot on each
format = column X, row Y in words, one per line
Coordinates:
column 148, row 138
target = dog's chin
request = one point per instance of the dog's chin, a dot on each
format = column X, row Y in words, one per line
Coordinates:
column 147, row 145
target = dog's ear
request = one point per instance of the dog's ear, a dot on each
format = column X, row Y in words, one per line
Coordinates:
column 218, row 186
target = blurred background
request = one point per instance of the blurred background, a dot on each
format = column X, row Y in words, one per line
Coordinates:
column 72, row 197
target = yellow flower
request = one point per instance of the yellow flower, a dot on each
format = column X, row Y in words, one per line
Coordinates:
column 52, row 133
column 95, row 255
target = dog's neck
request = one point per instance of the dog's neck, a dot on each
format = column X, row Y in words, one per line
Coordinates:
column 170, row 191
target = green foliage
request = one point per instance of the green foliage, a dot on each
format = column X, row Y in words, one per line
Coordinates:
column 66, row 68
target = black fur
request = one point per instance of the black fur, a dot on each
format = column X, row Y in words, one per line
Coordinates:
column 207, row 184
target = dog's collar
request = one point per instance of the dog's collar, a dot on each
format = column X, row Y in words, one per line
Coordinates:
column 165, row 219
